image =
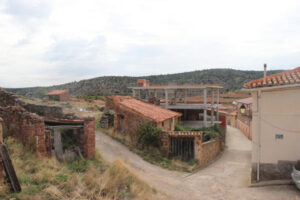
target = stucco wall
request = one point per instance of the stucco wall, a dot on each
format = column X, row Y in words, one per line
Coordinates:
column 245, row 128
column 280, row 115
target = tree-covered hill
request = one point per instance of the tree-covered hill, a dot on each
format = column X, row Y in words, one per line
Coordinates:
column 117, row 85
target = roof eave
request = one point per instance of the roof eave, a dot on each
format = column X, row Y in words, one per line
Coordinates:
column 271, row 88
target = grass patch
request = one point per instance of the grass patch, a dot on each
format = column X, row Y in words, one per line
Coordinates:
column 46, row 178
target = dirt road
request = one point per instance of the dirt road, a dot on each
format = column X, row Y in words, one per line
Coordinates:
column 226, row 178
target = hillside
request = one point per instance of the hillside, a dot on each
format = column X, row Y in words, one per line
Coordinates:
column 117, row 85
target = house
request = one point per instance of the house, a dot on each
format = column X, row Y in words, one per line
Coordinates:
column 58, row 95
column 244, row 116
column 275, row 125
column 129, row 113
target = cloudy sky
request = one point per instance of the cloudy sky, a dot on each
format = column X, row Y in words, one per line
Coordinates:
column 58, row 41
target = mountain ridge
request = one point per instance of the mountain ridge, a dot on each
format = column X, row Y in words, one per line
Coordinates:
column 230, row 79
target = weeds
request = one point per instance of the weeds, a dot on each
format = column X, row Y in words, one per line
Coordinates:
column 45, row 178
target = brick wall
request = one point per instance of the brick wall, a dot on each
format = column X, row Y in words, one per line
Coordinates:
column 26, row 127
column 88, row 145
column 1, row 166
column 64, row 96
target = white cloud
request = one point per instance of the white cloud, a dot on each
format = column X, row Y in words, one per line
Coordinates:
column 50, row 42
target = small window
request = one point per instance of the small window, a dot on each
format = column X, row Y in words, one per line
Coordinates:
column 279, row 136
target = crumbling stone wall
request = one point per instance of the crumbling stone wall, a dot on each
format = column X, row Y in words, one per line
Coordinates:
column 29, row 128
column 8, row 99
column 88, row 143
column 26, row 127
column 1, row 166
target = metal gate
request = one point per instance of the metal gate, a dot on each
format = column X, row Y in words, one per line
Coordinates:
column 182, row 147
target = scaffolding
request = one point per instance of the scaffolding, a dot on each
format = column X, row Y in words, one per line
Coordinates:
column 175, row 97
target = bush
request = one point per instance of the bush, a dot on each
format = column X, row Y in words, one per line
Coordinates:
column 180, row 127
column 210, row 133
column 149, row 135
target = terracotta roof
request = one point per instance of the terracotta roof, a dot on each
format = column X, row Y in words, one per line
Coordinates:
column 100, row 102
column 284, row 78
column 184, row 133
column 148, row 110
column 56, row 92
column 246, row 101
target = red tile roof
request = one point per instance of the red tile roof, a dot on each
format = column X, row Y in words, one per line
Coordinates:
column 57, row 92
column 100, row 102
column 284, row 78
column 147, row 110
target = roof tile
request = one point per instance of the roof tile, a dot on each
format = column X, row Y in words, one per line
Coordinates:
column 148, row 110
column 283, row 78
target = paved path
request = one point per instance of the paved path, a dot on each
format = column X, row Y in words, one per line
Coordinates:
column 226, row 178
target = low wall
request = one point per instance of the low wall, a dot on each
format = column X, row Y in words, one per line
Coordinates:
column 209, row 151
column 245, row 128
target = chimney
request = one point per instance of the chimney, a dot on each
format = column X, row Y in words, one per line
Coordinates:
column 265, row 70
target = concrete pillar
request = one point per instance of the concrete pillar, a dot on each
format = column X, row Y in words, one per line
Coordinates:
column 175, row 99
column 140, row 95
column 205, row 107
column 212, row 106
column 185, row 96
column 166, row 98
column 147, row 94
column 155, row 93
column 58, row 143
column 133, row 92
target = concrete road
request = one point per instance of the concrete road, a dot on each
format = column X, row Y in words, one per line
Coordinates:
column 226, row 178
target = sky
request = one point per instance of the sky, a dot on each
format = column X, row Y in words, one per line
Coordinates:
column 51, row 42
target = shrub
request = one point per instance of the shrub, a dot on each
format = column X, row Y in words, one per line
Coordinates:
column 180, row 127
column 210, row 133
column 149, row 135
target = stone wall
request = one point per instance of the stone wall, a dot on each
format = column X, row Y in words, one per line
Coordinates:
column 26, row 127
column 209, row 151
column 25, row 122
column 1, row 166
column 8, row 99
column 88, row 145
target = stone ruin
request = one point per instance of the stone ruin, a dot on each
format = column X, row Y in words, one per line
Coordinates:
column 47, row 129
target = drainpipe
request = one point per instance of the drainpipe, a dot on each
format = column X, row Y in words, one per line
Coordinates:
column 259, row 133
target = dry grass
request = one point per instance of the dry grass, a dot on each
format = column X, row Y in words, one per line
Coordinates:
column 86, row 179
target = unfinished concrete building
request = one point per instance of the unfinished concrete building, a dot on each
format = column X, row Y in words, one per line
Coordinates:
column 175, row 97
column 47, row 129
